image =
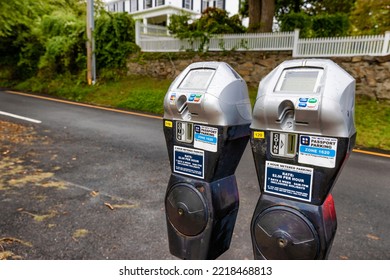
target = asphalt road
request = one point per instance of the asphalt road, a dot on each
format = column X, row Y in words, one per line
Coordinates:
column 87, row 183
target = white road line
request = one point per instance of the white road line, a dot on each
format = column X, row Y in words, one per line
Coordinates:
column 19, row 117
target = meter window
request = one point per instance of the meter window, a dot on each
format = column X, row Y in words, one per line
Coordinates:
column 299, row 80
column 197, row 79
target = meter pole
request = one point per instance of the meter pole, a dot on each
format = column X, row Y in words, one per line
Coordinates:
column 91, row 61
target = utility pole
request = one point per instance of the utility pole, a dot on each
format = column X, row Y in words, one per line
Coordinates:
column 91, row 60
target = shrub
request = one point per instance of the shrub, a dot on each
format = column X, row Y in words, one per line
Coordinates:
column 114, row 39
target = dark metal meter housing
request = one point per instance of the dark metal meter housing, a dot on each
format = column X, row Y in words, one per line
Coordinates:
column 207, row 114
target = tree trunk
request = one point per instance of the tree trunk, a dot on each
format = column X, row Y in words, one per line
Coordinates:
column 254, row 11
column 261, row 14
column 267, row 15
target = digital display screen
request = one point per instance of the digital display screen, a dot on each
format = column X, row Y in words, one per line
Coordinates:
column 197, row 79
column 302, row 80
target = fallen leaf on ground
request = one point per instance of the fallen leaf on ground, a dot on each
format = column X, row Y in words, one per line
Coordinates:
column 127, row 206
column 373, row 237
column 109, row 205
column 79, row 233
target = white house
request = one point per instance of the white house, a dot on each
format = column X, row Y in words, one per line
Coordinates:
column 158, row 12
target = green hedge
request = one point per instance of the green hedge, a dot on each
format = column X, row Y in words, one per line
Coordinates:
column 322, row 25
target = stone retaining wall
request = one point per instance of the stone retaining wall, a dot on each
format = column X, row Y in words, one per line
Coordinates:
column 372, row 74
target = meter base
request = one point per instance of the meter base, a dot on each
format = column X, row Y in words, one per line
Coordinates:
column 200, row 216
column 283, row 229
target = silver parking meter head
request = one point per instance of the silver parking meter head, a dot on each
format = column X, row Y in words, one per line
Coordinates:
column 210, row 93
column 307, row 96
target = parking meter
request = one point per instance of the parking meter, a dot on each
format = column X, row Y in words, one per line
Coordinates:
column 207, row 114
column 301, row 135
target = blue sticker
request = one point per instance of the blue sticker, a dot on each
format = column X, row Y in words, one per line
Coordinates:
column 188, row 161
column 318, row 151
column 288, row 180
column 206, row 138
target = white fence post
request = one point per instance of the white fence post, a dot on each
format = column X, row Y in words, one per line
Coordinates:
column 138, row 33
column 296, row 41
column 386, row 39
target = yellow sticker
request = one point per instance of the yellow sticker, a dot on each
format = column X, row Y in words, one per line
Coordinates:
column 258, row 134
column 168, row 124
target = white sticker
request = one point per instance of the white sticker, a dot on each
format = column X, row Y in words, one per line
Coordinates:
column 206, row 138
column 288, row 180
column 188, row 161
column 319, row 151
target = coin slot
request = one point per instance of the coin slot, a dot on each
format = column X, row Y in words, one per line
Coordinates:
column 185, row 132
column 291, row 144
column 190, row 133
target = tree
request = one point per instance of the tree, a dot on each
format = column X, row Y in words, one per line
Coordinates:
column 331, row 6
column 46, row 38
column 115, row 39
column 313, row 7
column 212, row 21
column 283, row 7
column 315, row 18
column 261, row 14
column 370, row 17
column 18, row 12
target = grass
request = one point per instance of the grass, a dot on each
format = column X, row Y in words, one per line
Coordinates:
column 146, row 94
column 133, row 93
column 372, row 120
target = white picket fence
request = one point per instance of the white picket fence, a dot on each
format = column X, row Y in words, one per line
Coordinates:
column 344, row 46
column 157, row 39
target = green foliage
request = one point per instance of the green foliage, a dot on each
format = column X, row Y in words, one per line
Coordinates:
column 283, row 7
column 114, row 39
column 313, row 7
column 181, row 25
column 372, row 123
column 47, row 38
column 301, row 21
column 213, row 21
column 64, row 86
column 217, row 21
column 150, row 100
column 63, row 35
column 30, row 49
column 14, row 13
column 330, row 25
column 322, row 25
column 331, row 6
column 244, row 8
column 137, row 93
column 370, row 17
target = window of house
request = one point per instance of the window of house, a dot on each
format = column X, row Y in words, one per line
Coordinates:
column 133, row 6
column 188, row 4
column 148, row 4
column 160, row 3
column 213, row 4
column 220, row 4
